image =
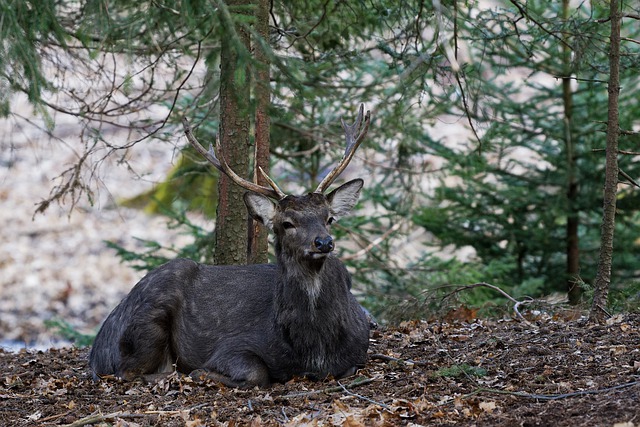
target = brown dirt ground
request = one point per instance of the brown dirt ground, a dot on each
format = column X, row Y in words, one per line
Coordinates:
column 557, row 372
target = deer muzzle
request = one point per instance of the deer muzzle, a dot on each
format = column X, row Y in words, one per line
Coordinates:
column 324, row 244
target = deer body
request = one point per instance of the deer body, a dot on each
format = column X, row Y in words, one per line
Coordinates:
column 247, row 325
column 253, row 324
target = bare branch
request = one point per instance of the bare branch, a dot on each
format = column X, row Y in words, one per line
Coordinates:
column 360, row 381
column 631, row 180
column 375, row 243
column 627, row 39
column 517, row 303
column 628, row 153
column 524, row 13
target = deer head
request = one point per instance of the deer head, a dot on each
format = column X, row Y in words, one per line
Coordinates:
column 302, row 221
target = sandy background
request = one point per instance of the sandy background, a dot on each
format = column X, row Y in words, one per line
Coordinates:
column 56, row 264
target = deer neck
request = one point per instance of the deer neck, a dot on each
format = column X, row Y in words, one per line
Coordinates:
column 303, row 280
column 308, row 311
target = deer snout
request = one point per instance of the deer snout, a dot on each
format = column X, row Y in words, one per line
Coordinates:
column 324, row 244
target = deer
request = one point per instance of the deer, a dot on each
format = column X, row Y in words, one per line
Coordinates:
column 250, row 325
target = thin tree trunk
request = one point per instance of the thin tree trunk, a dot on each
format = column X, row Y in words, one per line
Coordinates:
column 598, row 312
column 257, row 249
column 231, row 222
column 573, row 249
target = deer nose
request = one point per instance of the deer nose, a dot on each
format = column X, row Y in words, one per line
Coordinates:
column 324, row 244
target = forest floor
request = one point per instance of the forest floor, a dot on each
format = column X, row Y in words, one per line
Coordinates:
column 553, row 371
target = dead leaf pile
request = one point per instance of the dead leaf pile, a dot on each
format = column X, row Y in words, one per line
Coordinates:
column 461, row 371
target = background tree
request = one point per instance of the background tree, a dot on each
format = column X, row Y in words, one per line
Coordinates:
column 231, row 222
column 534, row 180
column 257, row 245
column 605, row 260
column 521, row 84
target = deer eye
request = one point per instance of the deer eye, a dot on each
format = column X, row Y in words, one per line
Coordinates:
column 331, row 220
column 287, row 225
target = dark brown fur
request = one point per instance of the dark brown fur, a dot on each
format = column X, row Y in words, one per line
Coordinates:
column 247, row 325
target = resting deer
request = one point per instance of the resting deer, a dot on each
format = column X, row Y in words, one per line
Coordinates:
column 248, row 325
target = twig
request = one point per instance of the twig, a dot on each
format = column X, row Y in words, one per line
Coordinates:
column 386, row 358
column 554, row 396
column 516, row 305
column 95, row 418
column 579, row 79
column 355, row 383
column 53, row 417
column 631, row 153
column 631, row 180
column 375, row 243
column 524, row 13
column 624, row 15
column 627, row 39
column 365, row 398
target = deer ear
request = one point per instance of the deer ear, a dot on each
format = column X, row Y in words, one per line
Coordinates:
column 344, row 198
column 260, row 208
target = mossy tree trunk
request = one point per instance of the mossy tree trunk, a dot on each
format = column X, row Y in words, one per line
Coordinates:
column 231, row 215
column 257, row 248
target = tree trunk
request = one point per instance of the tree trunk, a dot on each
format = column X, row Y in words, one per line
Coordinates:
column 231, row 218
column 257, row 249
column 598, row 312
column 574, row 292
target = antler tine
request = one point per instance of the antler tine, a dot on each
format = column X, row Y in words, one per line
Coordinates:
column 353, row 142
column 349, row 131
column 214, row 157
column 272, row 183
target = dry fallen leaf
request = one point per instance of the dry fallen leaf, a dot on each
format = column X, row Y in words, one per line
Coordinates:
column 462, row 314
column 618, row 318
column 624, row 424
column 35, row 416
column 350, row 421
column 617, row 350
column 488, row 407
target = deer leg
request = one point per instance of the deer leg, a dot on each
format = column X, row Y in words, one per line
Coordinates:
column 203, row 374
column 352, row 370
column 241, row 371
column 145, row 346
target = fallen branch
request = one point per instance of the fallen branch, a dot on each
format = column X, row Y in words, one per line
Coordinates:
column 365, row 398
column 53, row 417
column 98, row 417
column 553, row 396
column 386, row 358
column 355, row 383
column 516, row 303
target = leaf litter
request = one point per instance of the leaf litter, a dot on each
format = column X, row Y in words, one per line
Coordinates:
column 473, row 372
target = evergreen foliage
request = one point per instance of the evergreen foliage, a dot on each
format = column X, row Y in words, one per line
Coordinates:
column 522, row 83
column 511, row 201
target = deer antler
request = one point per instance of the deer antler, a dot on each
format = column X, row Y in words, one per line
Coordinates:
column 213, row 156
column 353, row 142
